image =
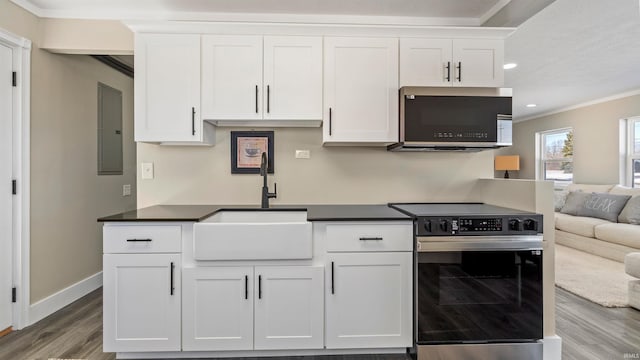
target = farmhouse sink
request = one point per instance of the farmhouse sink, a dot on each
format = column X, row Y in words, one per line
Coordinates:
column 253, row 235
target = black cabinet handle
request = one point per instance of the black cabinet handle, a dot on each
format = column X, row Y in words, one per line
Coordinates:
column 171, row 287
column 459, row 71
column 256, row 99
column 329, row 121
column 193, row 121
column 332, row 288
column 370, row 238
column 139, row 240
column 448, row 78
column 246, row 287
column 268, row 100
column 259, row 286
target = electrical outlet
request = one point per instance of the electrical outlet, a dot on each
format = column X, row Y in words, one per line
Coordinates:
column 126, row 190
column 303, row 154
column 147, row 170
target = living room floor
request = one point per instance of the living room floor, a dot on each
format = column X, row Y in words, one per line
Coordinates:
column 589, row 332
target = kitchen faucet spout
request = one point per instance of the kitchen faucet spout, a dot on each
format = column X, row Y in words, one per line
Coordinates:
column 266, row 195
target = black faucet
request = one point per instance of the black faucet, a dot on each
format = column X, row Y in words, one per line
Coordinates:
column 266, row 195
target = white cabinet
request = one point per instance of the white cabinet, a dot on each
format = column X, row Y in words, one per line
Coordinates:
column 361, row 91
column 141, row 302
column 446, row 62
column 245, row 308
column 275, row 80
column 369, row 285
column 167, row 90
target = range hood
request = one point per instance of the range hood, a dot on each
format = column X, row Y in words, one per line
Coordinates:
column 454, row 119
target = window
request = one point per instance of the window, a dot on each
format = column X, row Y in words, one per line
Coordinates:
column 633, row 152
column 556, row 156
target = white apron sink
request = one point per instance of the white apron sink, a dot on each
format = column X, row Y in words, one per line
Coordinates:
column 253, row 235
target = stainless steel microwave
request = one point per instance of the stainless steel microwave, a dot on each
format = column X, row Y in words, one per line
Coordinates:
column 454, row 119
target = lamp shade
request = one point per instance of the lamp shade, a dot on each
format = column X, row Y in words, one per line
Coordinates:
column 507, row 162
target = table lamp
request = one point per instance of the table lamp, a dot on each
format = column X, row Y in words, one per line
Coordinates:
column 506, row 163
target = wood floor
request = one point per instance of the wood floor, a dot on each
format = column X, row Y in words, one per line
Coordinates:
column 589, row 332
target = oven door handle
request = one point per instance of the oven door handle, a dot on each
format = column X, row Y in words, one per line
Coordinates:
column 478, row 243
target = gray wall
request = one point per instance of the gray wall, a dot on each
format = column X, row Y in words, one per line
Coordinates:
column 596, row 139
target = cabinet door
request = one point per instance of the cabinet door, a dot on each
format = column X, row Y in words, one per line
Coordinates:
column 369, row 301
column 289, row 307
column 425, row 62
column 231, row 77
column 218, row 308
column 361, row 90
column 141, row 302
column 167, row 88
column 478, row 62
column 292, row 78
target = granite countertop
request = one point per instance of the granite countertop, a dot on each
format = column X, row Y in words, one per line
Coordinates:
column 314, row 212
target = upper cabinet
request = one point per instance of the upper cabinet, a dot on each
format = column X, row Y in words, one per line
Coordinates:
column 446, row 62
column 360, row 91
column 255, row 80
column 167, row 90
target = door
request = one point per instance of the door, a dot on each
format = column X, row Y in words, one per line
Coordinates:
column 289, row 307
column 232, row 77
column 167, row 88
column 218, row 308
column 368, row 300
column 478, row 62
column 361, row 90
column 292, row 78
column 6, row 197
column 425, row 62
column 142, row 291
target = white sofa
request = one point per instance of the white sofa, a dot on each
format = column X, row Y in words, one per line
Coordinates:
column 604, row 238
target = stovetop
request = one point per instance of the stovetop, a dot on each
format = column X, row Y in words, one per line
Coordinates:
column 456, row 209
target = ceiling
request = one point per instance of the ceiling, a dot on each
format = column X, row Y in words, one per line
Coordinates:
column 574, row 52
column 568, row 52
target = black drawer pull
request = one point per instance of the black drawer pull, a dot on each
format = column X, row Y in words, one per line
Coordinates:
column 171, row 287
column 139, row 240
column 246, row 287
column 332, row 286
column 259, row 286
column 371, row 238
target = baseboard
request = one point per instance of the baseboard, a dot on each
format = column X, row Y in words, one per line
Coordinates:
column 64, row 297
column 552, row 348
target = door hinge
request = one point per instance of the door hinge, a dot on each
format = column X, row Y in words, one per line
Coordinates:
column 14, row 187
column 14, row 295
column 14, row 79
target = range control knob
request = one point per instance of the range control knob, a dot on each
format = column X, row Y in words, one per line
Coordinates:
column 514, row 225
column 444, row 225
column 427, row 225
column 530, row 225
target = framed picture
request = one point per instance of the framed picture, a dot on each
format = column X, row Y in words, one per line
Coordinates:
column 246, row 151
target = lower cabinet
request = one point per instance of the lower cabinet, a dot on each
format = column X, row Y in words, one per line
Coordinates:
column 141, row 302
column 246, row 308
column 368, row 300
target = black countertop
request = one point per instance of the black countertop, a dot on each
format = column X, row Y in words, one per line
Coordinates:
column 314, row 212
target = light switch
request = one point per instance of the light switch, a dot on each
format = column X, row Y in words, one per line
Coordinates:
column 147, row 170
column 303, row 154
column 126, row 190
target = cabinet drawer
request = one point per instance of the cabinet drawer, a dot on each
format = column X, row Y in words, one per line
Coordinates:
column 370, row 237
column 142, row 239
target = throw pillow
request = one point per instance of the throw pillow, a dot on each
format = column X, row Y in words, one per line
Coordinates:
column 559, row 198
column 631, row 212
column 604, row 206
column 575, row 200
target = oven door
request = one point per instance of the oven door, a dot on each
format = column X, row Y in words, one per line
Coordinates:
column 479, row 296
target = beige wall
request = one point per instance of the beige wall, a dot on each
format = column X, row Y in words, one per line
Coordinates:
column 66, row 194
column 596, row 139
column 341, row 175
column 76, row 36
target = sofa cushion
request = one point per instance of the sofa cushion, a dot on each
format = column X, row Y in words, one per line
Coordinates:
column 603, row 206
column 632, row 264
column 578, row 225
column 575, row 200
column 559, row 198
column 589, row 188
column 631, row 212
column 623, row 234
column 624, row 190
